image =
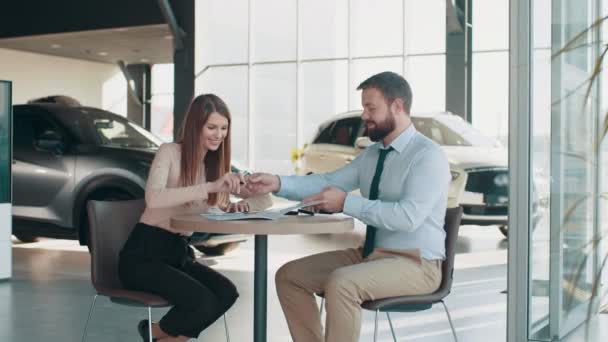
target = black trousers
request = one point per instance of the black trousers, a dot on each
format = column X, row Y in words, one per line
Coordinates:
column 157, row 261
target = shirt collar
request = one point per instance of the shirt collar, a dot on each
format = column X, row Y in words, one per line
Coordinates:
column 402, row 139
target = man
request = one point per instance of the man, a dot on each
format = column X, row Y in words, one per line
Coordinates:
column 404, row 183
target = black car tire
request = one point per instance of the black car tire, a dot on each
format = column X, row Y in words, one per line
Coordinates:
column 218, row 250
column 504, row 229
column 26, row 238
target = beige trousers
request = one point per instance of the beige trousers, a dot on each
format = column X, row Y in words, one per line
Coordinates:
column 347, row 280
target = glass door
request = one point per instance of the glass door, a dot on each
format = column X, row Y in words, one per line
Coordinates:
column 554, row 115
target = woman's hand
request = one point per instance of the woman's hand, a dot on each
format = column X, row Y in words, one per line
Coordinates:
column 238, row 207
column 230, row 182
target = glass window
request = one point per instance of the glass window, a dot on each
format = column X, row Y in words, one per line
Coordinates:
column 439, row 133
column 230, row 83
column 274, row 116
column 122, row 134
column 323, row 93
column 24, row 135
column 324, row 136
column 162, row 79
column 274, row 30
column 467, row 132
column 377, row 28
column 429, row 17
column 162, row 116
column 490, row 25
column 221, row 32
column 324, row 28
column 426, row 76
column 490, row 100
column 342, row 132
column 345, row 131
column 114, row 94
column 28, row 127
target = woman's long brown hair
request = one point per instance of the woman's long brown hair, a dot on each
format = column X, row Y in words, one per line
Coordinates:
column 217, row 163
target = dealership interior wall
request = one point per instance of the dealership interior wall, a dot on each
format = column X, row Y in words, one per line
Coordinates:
column 283, row 75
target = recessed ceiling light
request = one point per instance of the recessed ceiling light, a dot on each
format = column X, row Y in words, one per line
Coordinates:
column 144, row 60
column 55, row 46
column 102, row 53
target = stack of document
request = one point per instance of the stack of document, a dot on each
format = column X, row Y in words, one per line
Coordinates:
column 258, row 215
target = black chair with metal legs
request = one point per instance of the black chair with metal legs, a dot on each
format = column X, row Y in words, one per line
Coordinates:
column 423, row 302
column 110, row 224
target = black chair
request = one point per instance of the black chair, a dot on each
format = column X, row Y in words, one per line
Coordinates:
column 110, row 225
column 423, row 302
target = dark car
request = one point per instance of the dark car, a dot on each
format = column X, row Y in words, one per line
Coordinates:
column 65, row 155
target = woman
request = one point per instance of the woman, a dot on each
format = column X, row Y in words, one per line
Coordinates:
column 185, row 177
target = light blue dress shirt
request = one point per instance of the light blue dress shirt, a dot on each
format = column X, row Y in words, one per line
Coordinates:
column 413, row 192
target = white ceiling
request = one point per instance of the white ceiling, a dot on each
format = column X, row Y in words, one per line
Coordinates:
column 152, row 44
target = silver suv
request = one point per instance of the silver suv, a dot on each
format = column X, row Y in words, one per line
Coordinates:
column 65, row 155
column 478, row 163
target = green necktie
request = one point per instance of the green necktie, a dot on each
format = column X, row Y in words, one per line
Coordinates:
column 370, row 233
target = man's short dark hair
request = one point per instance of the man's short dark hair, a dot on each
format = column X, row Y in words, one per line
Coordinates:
column 392, row 86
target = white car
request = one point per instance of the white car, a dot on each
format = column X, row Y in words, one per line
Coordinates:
column 478, row 163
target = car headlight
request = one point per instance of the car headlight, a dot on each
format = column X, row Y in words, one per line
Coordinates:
column 454, row 174
column 501, row 180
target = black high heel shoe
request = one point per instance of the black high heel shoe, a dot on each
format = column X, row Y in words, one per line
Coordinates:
column 142, row 328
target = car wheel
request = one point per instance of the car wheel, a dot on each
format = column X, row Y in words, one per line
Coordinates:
column 504, row 229
column 26, row 238
column 101, row 195
column 217, row 250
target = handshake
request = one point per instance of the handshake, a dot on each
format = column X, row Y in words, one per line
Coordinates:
column 330, row 199
column 244, row 186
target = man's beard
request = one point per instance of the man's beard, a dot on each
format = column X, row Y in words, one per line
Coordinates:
column 382, row 129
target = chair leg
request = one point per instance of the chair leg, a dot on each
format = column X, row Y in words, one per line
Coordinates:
column 226, row 327
column 391, row 324
column 321, row 308
column 150, row 323
column 86, row 325
column 450, row 320
column 376, row 326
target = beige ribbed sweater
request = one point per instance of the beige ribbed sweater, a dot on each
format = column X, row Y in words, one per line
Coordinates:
column 165, row 198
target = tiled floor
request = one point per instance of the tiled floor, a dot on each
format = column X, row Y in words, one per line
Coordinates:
column 49, row 296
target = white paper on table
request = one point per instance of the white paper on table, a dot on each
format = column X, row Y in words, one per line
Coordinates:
column 259, row 215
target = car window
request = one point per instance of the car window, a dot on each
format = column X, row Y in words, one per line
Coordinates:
column 345, row 131
column 340, row 132
column 117, row 133
column 438, row 132
column 324, row 136
column 28, row 127
column 466, row 131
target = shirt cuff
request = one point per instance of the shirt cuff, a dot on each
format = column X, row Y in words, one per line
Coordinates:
column 353, row 205
column 285, row 183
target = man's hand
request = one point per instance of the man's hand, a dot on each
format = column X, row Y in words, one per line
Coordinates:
column 333, row 200
column 262, row 183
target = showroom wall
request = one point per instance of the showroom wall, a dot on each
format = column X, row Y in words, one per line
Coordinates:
column 282, row 75
column 36, row 75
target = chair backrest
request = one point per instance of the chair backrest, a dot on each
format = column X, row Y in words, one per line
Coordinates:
column 451, row 226
column 110, row 224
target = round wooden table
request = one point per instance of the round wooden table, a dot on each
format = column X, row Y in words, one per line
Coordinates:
column 318, row 224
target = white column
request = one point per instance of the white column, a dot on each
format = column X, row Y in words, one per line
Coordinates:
column 5, row 240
